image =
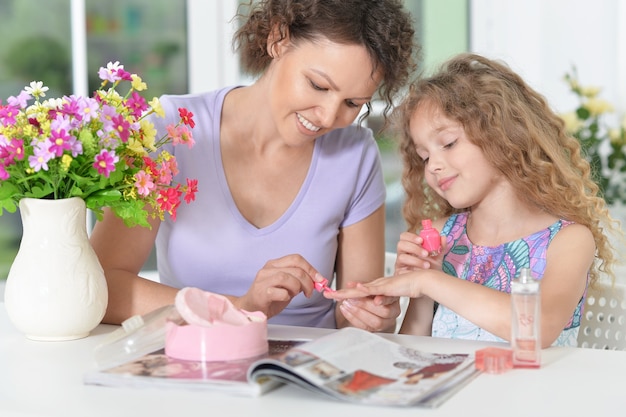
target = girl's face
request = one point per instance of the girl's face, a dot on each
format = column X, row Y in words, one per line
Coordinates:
column 317, row 87
column 453, row 166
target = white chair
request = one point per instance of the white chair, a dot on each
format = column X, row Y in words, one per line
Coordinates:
column 390, row 267
column 603, row 325
column 390, row 263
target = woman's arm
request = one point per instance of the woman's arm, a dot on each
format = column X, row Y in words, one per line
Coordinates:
column 418, row 319
column 361, row 258
column 122, row 252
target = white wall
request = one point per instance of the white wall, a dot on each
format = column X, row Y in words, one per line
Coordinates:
column 542, row 39
column 212, row 63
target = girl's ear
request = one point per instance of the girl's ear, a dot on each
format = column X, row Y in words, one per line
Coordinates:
column 277, row 41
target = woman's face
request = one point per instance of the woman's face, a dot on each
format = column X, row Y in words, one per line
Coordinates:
column 318, row 86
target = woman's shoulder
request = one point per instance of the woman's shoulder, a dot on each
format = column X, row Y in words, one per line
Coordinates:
column 197, row 103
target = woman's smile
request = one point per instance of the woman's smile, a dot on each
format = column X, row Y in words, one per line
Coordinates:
column 310, row 127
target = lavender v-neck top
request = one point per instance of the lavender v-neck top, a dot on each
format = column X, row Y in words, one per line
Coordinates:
column 213, row 247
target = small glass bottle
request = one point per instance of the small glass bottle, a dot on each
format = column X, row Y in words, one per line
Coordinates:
column 431, row 237
column 526, row 321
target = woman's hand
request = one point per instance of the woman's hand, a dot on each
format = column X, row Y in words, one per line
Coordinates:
column 372, row 313
column 411, row 255
column 277, row 283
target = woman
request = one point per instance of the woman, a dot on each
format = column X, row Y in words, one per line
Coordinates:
column 289, row 191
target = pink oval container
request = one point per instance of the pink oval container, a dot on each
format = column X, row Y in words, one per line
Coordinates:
column 220, row 342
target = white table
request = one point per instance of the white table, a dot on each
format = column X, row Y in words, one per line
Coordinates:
column 45, row 379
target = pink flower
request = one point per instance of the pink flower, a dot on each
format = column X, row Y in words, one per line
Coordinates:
column 105, row 162
column 14, row 151
column 122, row 127
column 136, row 104
column 180, row 134
column 4, row 175
column 111, row 72
column 40, row 159
column 60, row 142
column 8, row 114
column 144, row 183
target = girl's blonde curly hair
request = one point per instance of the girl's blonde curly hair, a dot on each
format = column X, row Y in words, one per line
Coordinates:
column 521, row 136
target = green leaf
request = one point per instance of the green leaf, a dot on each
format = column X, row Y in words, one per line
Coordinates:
column 132, row 212
column 39, row 192
column 102, row 199
column 7, row 190
column 8, row 205
column 583, row 113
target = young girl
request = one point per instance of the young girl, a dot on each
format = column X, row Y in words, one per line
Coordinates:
column 489, row 161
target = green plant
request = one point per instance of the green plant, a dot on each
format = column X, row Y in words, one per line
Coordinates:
column 602, row 143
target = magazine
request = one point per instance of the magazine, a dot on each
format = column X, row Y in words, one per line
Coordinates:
column 348, row 365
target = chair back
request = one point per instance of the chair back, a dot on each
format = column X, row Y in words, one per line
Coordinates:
column 603, row 325
column 390, row 263
column 390, row 268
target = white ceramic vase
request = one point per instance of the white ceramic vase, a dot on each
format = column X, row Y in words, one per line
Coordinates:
column 56, row 288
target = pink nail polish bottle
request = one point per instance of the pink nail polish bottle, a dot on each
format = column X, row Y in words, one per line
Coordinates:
column 432, row 240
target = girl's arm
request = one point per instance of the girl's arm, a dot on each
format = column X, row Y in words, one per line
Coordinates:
column 569, row 258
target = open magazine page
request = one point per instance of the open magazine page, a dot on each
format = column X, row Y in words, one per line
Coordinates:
column 361, row 367
column 159, row 370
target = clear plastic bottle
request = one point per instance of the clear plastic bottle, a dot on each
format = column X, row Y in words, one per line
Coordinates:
column 526, row 320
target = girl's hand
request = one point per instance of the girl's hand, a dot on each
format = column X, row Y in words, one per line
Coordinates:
column 411, row 256
column 277, row 283
column 406, row 284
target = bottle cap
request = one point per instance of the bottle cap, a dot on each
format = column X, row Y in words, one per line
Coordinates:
column 493, row 360
column 525, row 275
column 427, row 223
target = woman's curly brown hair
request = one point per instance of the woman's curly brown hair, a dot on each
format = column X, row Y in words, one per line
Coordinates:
column 383, row 27
column 521, row 136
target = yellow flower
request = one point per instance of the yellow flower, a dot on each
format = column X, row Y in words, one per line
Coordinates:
column 572, row 123
column 135, row 146
column 590, row 91
column 137, row 83
column 598, row 106
column 66, row 160
column 156, row 106
column 149, row 134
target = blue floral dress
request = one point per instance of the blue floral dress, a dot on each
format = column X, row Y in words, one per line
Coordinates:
column 494, row 267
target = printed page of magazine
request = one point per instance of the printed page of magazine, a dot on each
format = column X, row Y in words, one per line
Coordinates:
column 158, row 370
column 361, row 367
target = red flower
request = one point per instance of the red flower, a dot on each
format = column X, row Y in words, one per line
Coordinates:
column 186, row 117
column 192, row 189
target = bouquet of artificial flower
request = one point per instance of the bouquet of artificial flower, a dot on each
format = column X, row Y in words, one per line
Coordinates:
column 101, row 149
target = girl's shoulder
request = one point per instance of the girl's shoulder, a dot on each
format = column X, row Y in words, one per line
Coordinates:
column 454, row 221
